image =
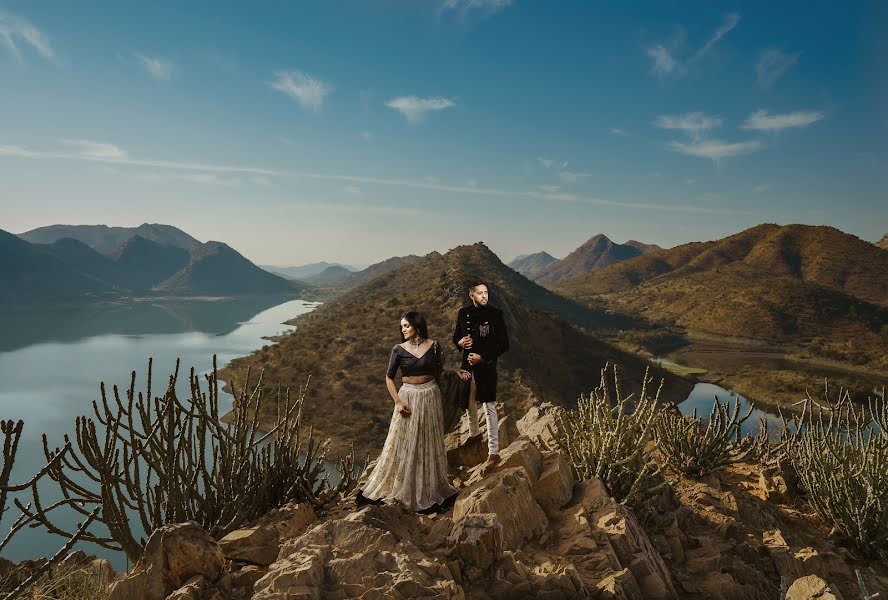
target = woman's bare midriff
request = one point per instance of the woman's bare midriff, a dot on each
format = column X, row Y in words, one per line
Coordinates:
column 417, row 379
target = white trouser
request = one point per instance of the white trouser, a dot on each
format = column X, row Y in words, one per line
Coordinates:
column 490, row 416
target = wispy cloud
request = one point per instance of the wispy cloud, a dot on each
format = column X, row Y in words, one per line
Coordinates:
column 414, row 108
column 618, row 131
column 258, row 175
column 662, row 62
column 549, row 189
column 197, row 178
column 15, row 30
column 485, row 7
column 552, row 164
column 90, row 148
column 102, row 152
column 305, row 89
column 771, row 66
column 664, row 55
column 730, row 21
column 693, row 124
column 714, row 150
column 760, row 120
column 159, row 68
column 762, row 187
column 572, row 177
column 352, row 189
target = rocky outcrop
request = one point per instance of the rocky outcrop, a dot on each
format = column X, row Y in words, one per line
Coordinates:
column 811, row 587
column 181, row 561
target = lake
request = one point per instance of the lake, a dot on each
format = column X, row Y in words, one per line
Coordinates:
column 51, row 364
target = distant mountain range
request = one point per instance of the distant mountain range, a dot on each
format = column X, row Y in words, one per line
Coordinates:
column 67, row 270
column 530, row 265
column 596, row 253
column 339, row 279
column 104, row 239
column 768, row 282
column 303, row 272
column 345, row 343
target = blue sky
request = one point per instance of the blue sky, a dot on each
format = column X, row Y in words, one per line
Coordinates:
column 355, row 131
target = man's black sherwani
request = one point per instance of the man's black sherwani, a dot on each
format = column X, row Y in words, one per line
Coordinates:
column 490, row 339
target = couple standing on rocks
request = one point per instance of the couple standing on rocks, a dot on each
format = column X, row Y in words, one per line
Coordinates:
column 412, row 467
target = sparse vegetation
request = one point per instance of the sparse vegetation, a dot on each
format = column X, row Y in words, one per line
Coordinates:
column 698, row 447
column 840, row 453
column 606, row 438
column 166, row 460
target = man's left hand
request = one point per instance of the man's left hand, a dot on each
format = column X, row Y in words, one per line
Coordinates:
column 474, row 359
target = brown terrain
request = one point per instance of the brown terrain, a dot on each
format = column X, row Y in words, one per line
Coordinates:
column 344, row 345
column 771, row 310
column 524, row 529
column 883, row 243
column 596, row 253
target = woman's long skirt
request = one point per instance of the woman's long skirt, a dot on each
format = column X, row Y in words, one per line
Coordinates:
column 412, row 468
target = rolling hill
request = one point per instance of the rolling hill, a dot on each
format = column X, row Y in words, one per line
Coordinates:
column 596, row 253
column 530, row 265
column 776, row 283
column 216, row 269
column 344, row 344
column 105, row 239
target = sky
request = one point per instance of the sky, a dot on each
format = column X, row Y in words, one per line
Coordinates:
column 355, row 131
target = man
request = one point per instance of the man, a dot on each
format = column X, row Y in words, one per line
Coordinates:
column 481, row 334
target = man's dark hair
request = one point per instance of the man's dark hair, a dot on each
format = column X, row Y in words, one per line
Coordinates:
column 417, row 321
column 475, row 283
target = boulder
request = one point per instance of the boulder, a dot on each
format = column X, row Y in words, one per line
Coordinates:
column 537, row 420
column 255, row 545
column 375, row 552
column 811, row 587
column 554, row 487
column 507, row 494
column 174, row 555
column 477, row 541
column 522, row 453
column 290, row 520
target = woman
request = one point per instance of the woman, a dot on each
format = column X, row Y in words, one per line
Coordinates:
column 412, row 468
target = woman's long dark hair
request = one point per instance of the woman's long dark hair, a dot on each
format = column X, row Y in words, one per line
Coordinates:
column 417, row 321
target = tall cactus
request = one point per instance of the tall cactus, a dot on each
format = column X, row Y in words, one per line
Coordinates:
column 160, row 460
column 697, row 448
column 605, row 437
column 840, row 452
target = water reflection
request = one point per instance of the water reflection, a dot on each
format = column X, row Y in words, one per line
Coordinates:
column 51, row 364
column 703, row 396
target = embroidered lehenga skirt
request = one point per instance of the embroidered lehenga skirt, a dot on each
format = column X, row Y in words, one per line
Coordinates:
column 412, row 467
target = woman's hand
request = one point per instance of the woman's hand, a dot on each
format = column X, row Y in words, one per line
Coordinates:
column 463, row 374
column 403, row 409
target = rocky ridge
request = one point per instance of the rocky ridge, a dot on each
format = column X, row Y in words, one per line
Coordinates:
column 521, row 530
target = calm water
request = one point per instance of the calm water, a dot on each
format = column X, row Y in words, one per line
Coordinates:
column 703, row 395
column 51, row 365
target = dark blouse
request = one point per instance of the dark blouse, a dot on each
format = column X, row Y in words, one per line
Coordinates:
column 430, row 363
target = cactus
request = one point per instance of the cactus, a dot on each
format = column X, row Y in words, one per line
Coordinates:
column 840, row 452
column 151, row 461
column 697, row 448
column 12, row 433
column 606, row 439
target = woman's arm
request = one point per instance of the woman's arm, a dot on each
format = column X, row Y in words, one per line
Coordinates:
column 393, row 392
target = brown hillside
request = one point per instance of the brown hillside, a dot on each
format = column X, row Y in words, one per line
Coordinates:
column 344, row 345
column 780, row 284
column 645, row 248
column 883, row 243
column 596, row 253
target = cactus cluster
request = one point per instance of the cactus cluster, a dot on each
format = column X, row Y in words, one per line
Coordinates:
column 698, row 447
column 840, row 453
column 606, row 435
column 141, row 462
